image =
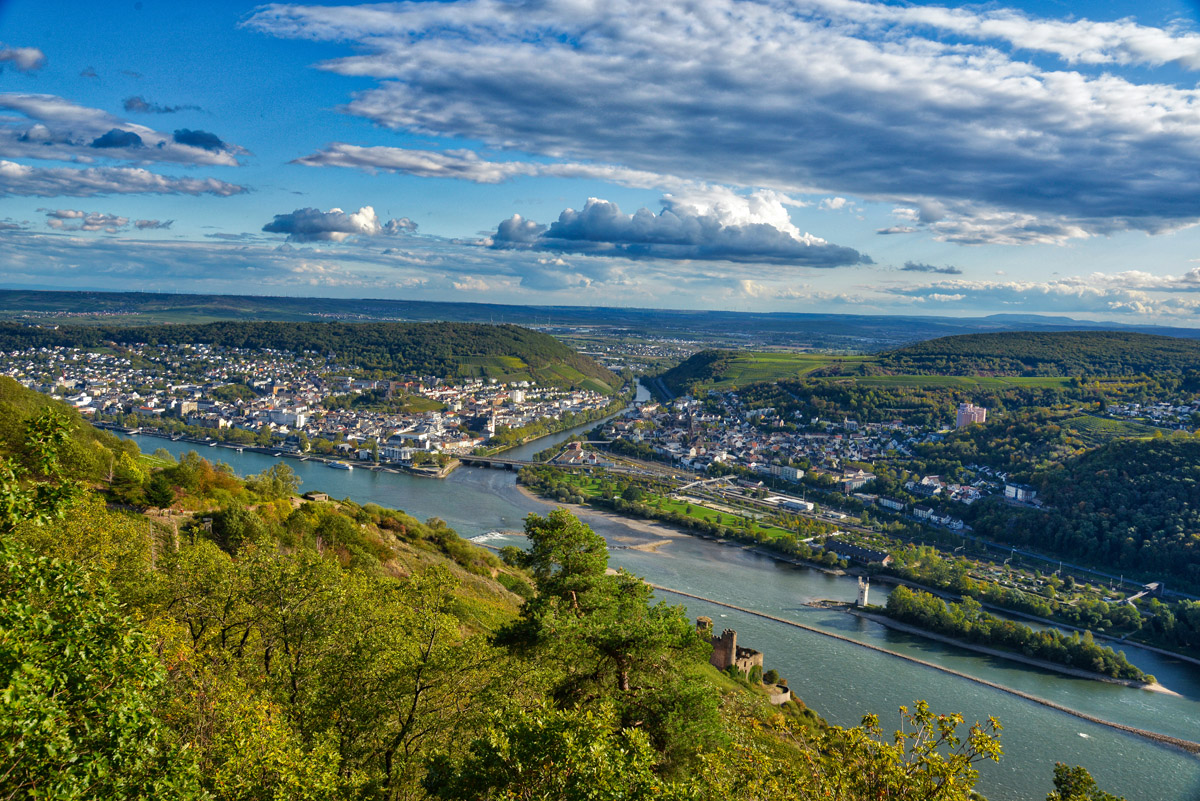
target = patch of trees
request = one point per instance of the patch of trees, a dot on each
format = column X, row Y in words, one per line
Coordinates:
column 707, row 365
column 967, row 621
column 381, row 400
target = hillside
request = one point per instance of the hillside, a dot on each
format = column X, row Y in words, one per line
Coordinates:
column 446, row 350
column 727, row 369
column 1069, row 353
column 89, row 454
column 1133, row 505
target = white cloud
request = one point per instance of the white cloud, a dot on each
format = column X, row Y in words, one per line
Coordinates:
column 932, row 108
column 467, row 165
column 22, row 59
column 335, row 225
column 19, row 179
column 72, row 220
column 1128, row 293
column 51, row 127
column 705, row 227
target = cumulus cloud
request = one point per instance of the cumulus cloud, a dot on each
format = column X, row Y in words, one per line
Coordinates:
column 705, row 227
column 72, row 220
column 20, row 179
column 51, row 127
column 930, row 107
column 399, row 226
column 920, row 267
column 141, row 105
column 22, row 59
column 335, row 225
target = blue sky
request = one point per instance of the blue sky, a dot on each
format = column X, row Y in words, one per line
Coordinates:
column 831, row 155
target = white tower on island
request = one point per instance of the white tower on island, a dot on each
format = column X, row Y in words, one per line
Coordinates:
column 864, row 589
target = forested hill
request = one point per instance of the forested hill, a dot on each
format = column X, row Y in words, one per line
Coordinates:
column 1133, row 505
column 1070, row 353
column 698, row 368
column 447, row 350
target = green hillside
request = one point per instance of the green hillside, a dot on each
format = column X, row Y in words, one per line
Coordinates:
column 89, row 454
column 1133, row 505
column 1071, row 353
column 446, row 350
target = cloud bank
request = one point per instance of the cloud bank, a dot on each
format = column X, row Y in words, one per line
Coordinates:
column 923, row 105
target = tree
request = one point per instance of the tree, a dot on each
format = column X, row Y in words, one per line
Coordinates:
column 38, row 492
column 159, row 492
column 925, row 761
column 551, row 755
column 78, row 680
column 1076, row 784
column 608, row 641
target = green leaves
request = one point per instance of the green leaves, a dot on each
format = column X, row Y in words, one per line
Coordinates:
column 41, row 493
column 77, row 720
column 552, row 755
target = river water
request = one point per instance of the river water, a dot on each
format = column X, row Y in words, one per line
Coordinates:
column 842, row 682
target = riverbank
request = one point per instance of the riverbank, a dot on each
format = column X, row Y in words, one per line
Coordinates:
column 1067, row 670
column 1187, row 746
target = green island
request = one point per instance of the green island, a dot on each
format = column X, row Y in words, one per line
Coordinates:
column 967, row 621
column 224, row 638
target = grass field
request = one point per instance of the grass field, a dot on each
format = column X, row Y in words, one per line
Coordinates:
column 751, row 367
column 1097, row 431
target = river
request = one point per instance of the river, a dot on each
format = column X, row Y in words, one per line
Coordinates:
column 842, row 682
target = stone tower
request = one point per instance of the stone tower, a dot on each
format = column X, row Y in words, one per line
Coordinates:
column 864, row 590
column 724, row 650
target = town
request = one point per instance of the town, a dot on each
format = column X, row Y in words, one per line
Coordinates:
column 295, row 402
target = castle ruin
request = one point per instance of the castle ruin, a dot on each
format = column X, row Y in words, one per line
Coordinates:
column 726, row 652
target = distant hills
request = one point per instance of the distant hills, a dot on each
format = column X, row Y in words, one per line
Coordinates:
column 446, row 350
column 857, row 333
column 1037, row 353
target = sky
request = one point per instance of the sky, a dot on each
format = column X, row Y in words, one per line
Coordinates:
column 839, row 156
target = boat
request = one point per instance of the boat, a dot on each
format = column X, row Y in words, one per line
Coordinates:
column 339, row 466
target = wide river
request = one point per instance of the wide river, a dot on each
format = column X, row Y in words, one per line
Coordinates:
column 841, row 681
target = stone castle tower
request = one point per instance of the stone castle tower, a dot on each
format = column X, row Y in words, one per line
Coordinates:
column 864, row 590
column 726, row 653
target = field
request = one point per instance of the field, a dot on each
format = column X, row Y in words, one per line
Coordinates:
column 1096, row 431
column 751, row 367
